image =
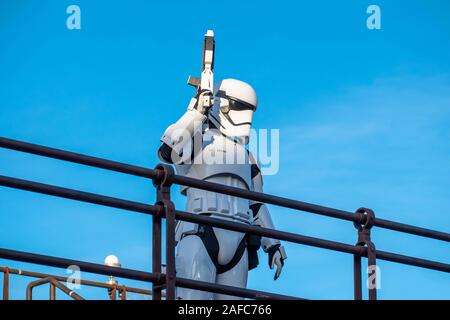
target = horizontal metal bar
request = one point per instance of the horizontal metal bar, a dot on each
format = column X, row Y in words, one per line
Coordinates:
column 269, row 233
column 205, row 185
column 233, row 291
column 311, row 241
column 308, row 207
column 77, row 158
column 84, row 266
column 52, row 261
column 406, row 228
column 76, row 195
column 263, row 197
column 412, row 261
column 229, row 225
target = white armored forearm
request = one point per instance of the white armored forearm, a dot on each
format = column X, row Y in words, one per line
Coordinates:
column 263, row 219
column 261, row 215
column 177, row 139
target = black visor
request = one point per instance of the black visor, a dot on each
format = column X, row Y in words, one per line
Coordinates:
column 240, row 105
column 236, row 104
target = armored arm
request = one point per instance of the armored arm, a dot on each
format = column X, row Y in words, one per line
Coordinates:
column 262, row 218
column 176, row 141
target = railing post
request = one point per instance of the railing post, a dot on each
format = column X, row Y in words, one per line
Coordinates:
column 167, row 208
column 113, row 293
column 366, row 218
column 357, row 277
column 6, row 284
column 156, row 254
column 123, row 293
column 52, row 291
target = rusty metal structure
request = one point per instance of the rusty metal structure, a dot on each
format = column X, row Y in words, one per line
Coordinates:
column 163, row 177
column 56, row 281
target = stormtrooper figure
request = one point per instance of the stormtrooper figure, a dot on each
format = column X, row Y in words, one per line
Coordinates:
column 208, row 143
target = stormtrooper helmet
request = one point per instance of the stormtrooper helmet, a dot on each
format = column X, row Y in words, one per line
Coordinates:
column 232, row 112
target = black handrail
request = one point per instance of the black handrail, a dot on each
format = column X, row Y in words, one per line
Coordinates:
column 131, row 274
column 163, row 177
column 215, row 187
column 220, row 223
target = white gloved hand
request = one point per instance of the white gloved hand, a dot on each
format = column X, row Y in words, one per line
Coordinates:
column 277, row 255
column 204, row 101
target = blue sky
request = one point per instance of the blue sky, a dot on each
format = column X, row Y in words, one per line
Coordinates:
column 363, row 117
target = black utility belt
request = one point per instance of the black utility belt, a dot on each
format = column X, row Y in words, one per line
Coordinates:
column 250, row 241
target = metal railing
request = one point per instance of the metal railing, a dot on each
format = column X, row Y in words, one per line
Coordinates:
column 163, row 178
column 53, row 285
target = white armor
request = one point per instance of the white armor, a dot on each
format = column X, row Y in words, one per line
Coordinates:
column 209, row 144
